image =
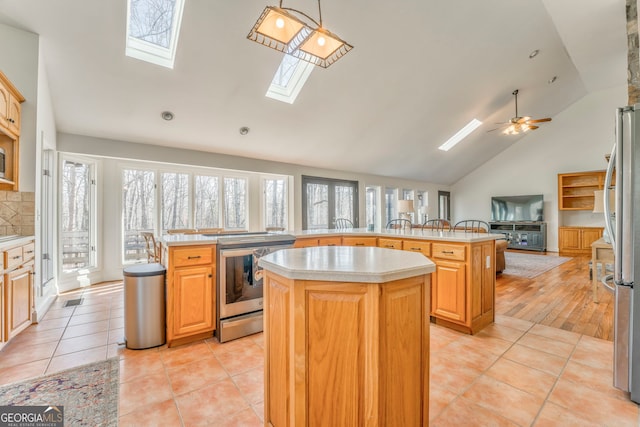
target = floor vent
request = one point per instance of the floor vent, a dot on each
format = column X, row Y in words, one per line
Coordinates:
column 73, row 302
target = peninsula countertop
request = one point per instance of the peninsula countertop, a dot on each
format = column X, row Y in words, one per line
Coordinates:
column 346, row 264
column 415, row 234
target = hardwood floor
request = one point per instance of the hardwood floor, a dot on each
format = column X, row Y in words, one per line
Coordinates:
column 560, row 298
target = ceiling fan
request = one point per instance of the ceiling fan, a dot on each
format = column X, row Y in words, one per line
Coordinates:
column 519, row 124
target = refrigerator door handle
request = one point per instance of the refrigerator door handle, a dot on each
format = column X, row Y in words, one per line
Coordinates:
column 607, row 185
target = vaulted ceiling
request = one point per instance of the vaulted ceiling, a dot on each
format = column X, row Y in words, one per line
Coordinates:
column 419, row 71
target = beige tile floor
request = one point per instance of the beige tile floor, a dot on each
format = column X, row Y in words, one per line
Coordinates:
column 513, row 373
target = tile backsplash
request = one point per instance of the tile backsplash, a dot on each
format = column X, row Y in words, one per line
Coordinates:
column 17, row 213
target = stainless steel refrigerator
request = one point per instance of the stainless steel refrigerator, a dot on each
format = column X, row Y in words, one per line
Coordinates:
column 622, row 223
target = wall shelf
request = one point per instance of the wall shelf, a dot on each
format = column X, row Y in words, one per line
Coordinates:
column 576, row 190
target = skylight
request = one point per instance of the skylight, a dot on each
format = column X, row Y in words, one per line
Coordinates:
column 460, row 135
column 292, row 73
column 152, row 30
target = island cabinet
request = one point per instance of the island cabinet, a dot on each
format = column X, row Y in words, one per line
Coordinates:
column 191, row 296
column 18, row 262
column 359, row 241
column 346, row 351
column 389, row 243
column 308, row 242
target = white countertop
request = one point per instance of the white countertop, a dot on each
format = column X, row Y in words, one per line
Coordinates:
column 346, row 264
column 14, row 240
column 416, row 234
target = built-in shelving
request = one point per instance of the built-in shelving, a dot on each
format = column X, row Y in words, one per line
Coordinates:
column 576, row 190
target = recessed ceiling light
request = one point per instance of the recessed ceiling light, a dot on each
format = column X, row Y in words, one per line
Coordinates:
column 167, row 115
column 244, row 130
column 534, row 54
column 460, row 135
column 552, row 79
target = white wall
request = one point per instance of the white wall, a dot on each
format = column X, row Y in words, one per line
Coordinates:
column 576, row 140
column 19, row 62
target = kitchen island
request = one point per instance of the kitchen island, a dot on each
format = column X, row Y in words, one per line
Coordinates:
column 346, row 336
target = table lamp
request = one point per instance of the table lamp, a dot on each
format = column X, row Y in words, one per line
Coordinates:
column 405, row 208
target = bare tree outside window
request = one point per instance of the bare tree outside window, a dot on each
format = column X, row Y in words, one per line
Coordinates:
column 207, row 202
column 275, row 203
column 76, row 215
column 344, row 196
column 175, row 200
column 235, row 203
column 138, row 211
column 151, row 20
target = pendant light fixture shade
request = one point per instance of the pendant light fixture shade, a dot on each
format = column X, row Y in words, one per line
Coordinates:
column 279, row 29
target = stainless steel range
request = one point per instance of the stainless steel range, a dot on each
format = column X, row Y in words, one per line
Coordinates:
column 239, row 281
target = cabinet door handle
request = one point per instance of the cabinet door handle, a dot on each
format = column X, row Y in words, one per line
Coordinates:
column 210, row 276
column 389, row 246
column 17, row 257
column 29, row 252
column 415, row 249
column 194, row 257
column 359, row 244
column 447, row 252
column 331, row 244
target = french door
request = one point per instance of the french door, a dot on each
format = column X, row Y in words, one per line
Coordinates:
column 324, row 200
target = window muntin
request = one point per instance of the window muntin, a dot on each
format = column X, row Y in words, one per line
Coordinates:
column 372, row 211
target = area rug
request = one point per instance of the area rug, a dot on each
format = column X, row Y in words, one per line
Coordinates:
column 530, row 265
column 88, row 393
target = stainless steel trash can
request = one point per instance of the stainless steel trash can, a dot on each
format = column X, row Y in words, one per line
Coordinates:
column 144, row 305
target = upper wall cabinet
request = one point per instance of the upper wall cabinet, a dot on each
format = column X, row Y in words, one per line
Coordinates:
column 576, row 190
column 10, row 111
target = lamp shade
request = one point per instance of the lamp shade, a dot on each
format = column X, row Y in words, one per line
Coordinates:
column 405, row 206
column 598, row 201
column 322, row 48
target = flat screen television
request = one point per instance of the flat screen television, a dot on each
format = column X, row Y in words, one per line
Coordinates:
column 517, row 208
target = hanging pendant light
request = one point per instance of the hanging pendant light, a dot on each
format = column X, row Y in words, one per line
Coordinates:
column 279, row 29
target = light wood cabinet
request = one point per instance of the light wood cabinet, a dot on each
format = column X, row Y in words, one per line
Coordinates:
column 359, row 241
column 448, row 294
column 576, row 190
column 17, row 289
column 576, row 241
column 10, row 121
column 341, row 353
column 417, row 246
column 191, row 296
column 389, row 243
column 318, row 241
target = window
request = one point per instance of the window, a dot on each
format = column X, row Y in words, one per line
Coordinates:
column 175, row 200
column 207, row 196
column 138, row 211
column 275, row 202
column 77, row 216
column 391, row 203
column 410, row 195
column 444, row 202
column 372, row 210
column 152, row 30
column 235, row 203
column 423, row 206
column 325, row 200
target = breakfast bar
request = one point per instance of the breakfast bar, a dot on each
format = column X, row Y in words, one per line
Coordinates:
column 346, row 336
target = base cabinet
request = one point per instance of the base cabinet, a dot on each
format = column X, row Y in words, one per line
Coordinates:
column 16, row 285
column 448, row 296
column 191, row 297
column 576, row 241
column 19, row 300
column 346, row 354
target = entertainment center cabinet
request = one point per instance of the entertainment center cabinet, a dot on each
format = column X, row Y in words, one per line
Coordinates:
column 531, row 236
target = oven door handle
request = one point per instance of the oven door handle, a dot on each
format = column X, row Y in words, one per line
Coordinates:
column 227, row 253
